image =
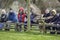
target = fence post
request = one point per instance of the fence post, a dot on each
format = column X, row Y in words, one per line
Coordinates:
column 28, row 15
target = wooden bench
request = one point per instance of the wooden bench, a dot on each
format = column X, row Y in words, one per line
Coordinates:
column 12, row 25
column 41, row 26
column 49, row 25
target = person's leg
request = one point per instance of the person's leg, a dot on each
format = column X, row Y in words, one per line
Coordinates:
column 48, row 28
column 7, row 27
column 16, row 27
column 32, row 23
column 53, row 28
column 19, row 27
column 41, row 29
column 1, row 26
column 58, row 30
column 25, row 27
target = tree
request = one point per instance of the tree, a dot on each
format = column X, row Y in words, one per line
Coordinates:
column 59, row 0
column 6, row 3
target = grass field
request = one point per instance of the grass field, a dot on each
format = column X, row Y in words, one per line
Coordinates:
column 12, row 35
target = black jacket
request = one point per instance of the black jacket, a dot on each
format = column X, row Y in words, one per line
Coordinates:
column 3, row 18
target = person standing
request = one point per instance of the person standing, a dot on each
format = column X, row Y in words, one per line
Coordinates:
column 21, row 18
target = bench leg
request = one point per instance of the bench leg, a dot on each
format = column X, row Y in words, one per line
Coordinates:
column 41, row 29
column 44, row 30
column 58, row 30
column 20, row 28
column 7, row 27
column 30, row 27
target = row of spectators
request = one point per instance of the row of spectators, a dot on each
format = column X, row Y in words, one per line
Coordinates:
column 52, row 17
column 13, row 17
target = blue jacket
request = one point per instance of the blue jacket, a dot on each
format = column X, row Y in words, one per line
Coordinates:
column 32, row 16
column 12, row 17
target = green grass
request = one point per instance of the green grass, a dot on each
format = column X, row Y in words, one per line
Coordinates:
column 11, row 35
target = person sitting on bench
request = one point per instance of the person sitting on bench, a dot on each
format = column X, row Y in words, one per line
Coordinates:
column 47, row 15
column 32, row 17
column 57, row 22
column 3, row 18
column 54, row 20
column 12, row 18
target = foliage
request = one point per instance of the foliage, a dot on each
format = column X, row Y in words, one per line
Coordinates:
column 5, row 3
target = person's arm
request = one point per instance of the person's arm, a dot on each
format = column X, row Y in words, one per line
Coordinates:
column 6, row 18
column 18, row 17
column 49, row 17
column 54, row 19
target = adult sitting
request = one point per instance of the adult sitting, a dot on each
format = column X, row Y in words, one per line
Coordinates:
column 12, row 18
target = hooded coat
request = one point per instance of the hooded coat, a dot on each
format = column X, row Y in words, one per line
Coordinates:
column 3, row 17
column 21, row 17
column 12, row 17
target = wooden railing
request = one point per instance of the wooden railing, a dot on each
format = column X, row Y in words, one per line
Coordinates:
column 39, row 26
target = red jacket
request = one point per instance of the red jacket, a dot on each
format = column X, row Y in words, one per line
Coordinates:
column 23, row 17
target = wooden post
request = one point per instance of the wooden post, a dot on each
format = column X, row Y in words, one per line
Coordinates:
column 28, row 15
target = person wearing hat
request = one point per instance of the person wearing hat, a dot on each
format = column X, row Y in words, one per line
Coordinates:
column 21, row 18
column 47, row 15
column 54, row 20
column 57, row 22
column 3, row 16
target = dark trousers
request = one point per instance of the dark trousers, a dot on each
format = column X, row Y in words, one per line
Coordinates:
column 7, row 27
column 25, row 27
column 18, row 27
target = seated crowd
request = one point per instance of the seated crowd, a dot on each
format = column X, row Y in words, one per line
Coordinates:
column 12, row 17
column 50, row 16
